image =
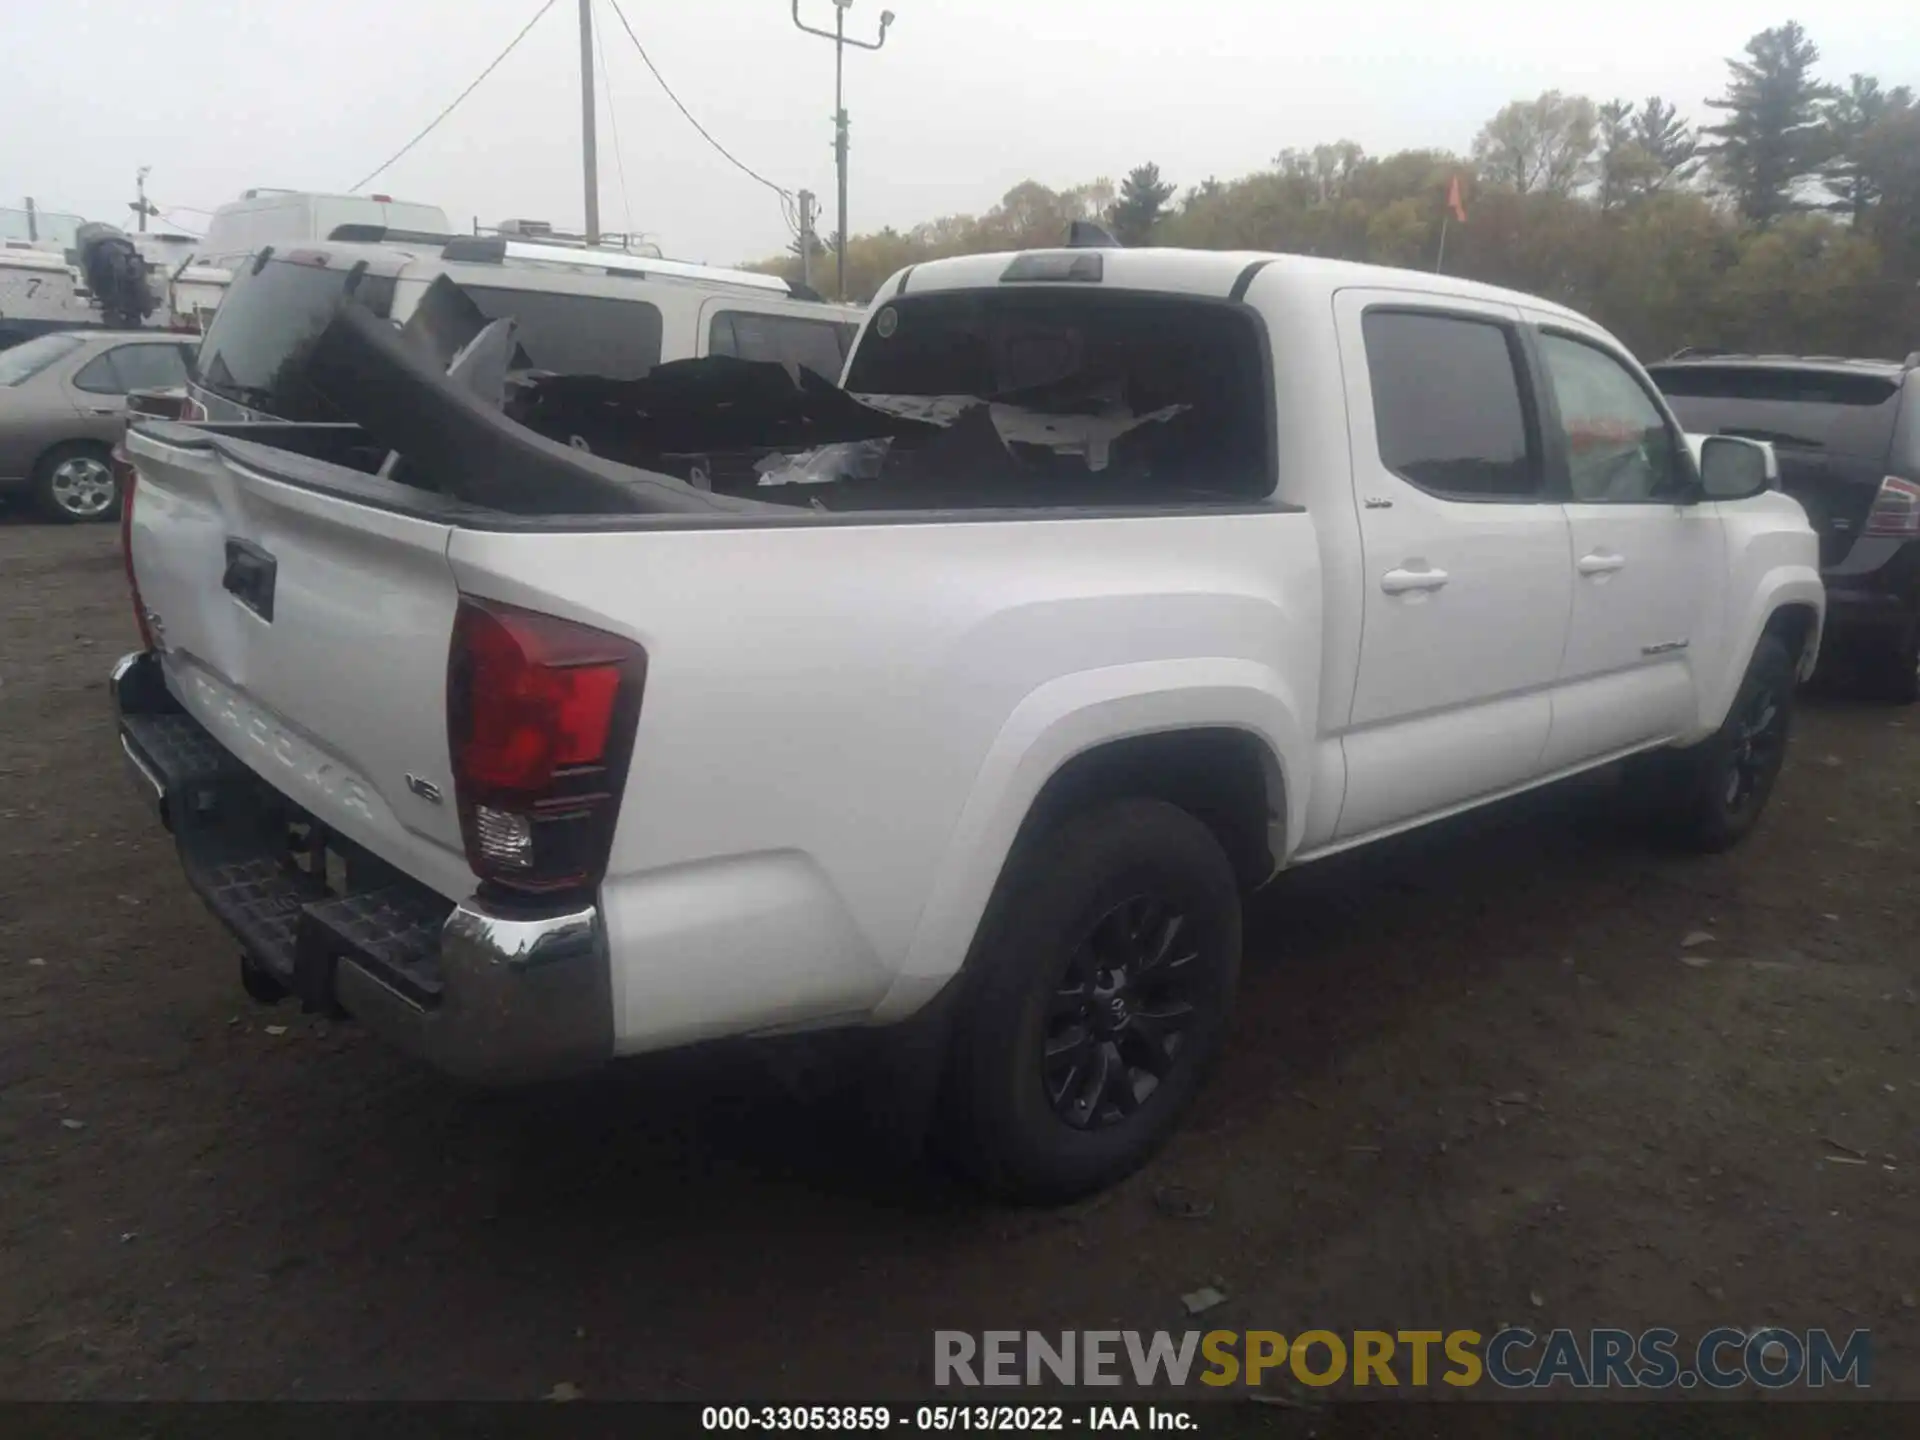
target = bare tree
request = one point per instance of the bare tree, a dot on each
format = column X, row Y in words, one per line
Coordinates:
column 1544, row 145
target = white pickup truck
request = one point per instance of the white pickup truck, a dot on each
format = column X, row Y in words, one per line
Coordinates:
column 1150, row 574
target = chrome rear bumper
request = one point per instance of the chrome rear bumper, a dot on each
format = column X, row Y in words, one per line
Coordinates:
column 486, row 992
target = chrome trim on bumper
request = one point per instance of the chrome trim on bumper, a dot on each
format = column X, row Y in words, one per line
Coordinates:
column 524, row 999
column 521, row 944
column 149, row 784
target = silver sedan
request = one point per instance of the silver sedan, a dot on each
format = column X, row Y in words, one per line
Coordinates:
column 63, row 405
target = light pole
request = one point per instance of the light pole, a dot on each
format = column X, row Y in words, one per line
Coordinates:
column 840, row 42
column 589, row 162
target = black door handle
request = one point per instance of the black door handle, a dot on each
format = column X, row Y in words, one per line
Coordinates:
column 249, row 577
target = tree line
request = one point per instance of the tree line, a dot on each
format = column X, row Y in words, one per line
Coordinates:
column 1789, row 221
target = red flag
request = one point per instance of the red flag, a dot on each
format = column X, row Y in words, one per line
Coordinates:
column 1454, row 203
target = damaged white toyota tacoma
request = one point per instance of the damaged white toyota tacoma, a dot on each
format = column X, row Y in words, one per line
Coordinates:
column 536, row 720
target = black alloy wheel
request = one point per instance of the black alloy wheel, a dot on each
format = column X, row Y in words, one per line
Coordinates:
column 1117, row 1026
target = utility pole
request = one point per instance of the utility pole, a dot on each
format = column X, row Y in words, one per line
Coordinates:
column 588, row 160
column 807, row 201
column 840, row 42
column 140, row 191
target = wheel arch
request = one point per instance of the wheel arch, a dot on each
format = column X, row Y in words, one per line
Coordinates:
column 1220, row 739
column 1797, row 622
column 1790, row 601
column 71, row 442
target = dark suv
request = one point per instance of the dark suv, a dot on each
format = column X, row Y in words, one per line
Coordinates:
column 1848, row 436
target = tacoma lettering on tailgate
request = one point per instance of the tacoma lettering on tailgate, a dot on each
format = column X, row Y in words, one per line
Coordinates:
column 248, row 731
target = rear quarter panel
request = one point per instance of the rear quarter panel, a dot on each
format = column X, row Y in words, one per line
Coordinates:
column 34, row 417
column 844, row 725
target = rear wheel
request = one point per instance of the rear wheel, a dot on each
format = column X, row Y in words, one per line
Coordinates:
column 1708, row 796
column 1097, row 1001
column 75, row 483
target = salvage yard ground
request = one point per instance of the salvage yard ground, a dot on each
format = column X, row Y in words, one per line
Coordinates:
column 1478, row 1077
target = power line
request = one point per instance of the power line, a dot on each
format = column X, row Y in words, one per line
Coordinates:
column 613, row 123
column 511, row 47
column 786, row 196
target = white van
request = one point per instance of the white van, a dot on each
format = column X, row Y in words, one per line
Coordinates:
column 266, row 216
column 577, row 312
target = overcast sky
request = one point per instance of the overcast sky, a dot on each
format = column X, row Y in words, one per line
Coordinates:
column 968, row 98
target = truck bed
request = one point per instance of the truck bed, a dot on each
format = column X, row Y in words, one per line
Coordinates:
column 824, row 692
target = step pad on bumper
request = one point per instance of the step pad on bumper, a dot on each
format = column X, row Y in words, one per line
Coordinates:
column 181, row 751
column 232, row 832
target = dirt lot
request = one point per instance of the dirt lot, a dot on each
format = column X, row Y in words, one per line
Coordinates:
column 1475, row 1080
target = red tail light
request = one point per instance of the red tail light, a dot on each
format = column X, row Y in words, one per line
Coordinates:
column 127, row 478
column 1896, row 509
column 540, row 721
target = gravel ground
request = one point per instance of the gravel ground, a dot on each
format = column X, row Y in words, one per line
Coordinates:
column 1477, row 1077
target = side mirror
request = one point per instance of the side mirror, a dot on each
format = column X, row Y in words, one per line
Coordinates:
column 1734, row 469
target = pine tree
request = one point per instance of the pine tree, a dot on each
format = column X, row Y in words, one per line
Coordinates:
column 1667, row 139
column 1143, row 199
column 1772, row 138
column 1853, row 113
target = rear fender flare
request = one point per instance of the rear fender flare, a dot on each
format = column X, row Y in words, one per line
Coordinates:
column 1063, row 718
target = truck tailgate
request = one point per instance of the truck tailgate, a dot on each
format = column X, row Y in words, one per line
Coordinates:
column 308, row 633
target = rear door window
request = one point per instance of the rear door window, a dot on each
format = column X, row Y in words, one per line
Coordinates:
column 820, row 345
column 255, row 354
column 1447, row 405
column 132, row 367
column 1832, row 411
column 577, row 334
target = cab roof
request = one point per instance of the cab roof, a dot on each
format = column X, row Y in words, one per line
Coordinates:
column 1212, row 273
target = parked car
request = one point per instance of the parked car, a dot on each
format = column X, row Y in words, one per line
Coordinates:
column 1111, row 583
column 577, row 311
column 63, row 405
column 1847, row 433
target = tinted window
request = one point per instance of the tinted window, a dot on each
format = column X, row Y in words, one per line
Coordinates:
column 1850, row 414
column 30, row 357
column 1619, row 447
column 1097, row 397
column 1446, row 404
column 132, row 367
column 149, row 367
column 578, row 334
column 820, row 345
column 255, row 353
column 97, row 376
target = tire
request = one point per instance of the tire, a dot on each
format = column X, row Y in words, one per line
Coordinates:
column 261, row 987
column 1708, row 796
column 1893, row 674
column 75, row 484
column 1112, row 951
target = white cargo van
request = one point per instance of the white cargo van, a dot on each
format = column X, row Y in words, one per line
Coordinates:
column 265, row 216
